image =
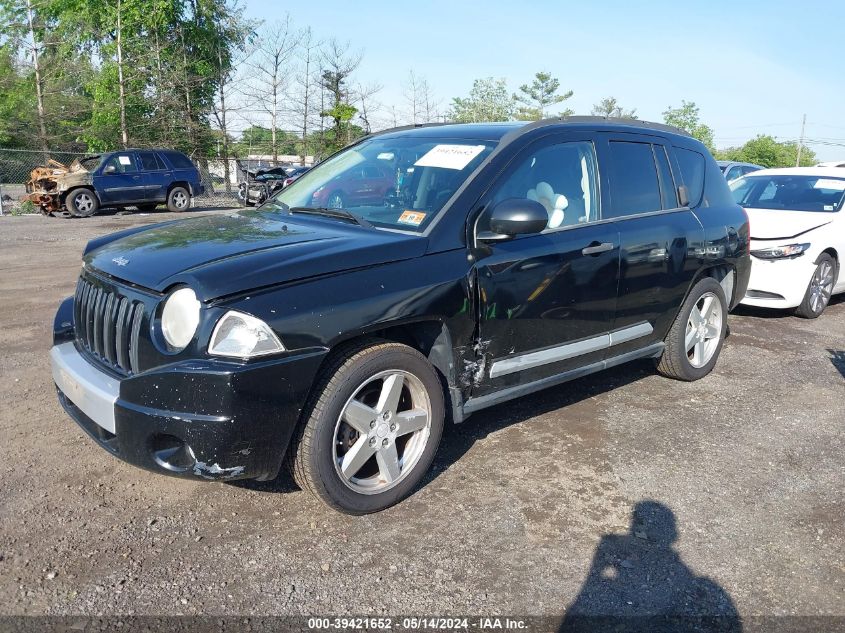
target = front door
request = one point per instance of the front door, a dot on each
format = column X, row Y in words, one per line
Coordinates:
column 547, row 301
column 120, row 181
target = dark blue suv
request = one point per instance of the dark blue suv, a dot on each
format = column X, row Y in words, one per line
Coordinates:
column 143, row 178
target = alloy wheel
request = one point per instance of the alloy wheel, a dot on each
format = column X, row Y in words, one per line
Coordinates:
column 382, row 432
column 704, row 330
column 84, row 203
column 821, row 286
column 180, row 200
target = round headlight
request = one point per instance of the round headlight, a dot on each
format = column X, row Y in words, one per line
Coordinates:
column 180, row 318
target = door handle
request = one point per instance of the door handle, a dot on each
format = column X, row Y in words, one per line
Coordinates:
column 597, row 247
column 136, row 178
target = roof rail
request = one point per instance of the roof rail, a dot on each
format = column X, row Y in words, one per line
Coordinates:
column 604, row 119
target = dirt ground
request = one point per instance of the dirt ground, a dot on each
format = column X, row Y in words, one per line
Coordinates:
column 736, row 482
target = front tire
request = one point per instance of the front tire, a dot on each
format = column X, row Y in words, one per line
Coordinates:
column 178, row 200
column 819, row 289
column 695, row 339
column 371, row 430
column 82, row 203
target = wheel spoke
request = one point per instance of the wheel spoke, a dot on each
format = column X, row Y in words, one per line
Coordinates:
column 711, row 332
column 695, row 317
column 356, row 457
column 690, row 339
column 411, row 421
column 707, row 308
column 358, row 416
column 698, row 354
column 391, row 391
column 388, row 463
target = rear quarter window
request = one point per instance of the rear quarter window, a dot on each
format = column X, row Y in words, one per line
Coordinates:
column 179, row 160
column 693, row 165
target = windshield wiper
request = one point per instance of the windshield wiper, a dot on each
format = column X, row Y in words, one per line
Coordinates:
column 332, row 213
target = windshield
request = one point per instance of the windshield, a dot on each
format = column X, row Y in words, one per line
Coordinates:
column 794, row 193
column 400, row 182
column 88, row 163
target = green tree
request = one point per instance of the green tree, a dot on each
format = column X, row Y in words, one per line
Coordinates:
column 488, row 100
column 765, row 150
column 536, row 98
column 610, row 108
column 686, row 118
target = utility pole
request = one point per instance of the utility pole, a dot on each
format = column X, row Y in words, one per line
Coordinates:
column 801, row 142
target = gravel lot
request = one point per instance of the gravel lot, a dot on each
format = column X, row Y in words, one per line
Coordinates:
column 747, row 463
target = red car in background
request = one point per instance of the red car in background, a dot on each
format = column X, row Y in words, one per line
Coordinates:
column 363, row 184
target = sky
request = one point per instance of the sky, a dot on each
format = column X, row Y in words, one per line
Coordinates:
column 752, row 67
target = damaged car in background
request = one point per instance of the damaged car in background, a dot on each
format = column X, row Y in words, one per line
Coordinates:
column 261, row 184
column 140, row 178
column 337, row 330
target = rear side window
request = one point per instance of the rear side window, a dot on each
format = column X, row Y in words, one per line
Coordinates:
column 179, row 160
column 692, row 170
column 634, row 186
column 150, row 162
column 667, row 184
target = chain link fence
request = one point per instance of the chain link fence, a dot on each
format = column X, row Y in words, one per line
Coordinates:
column 17, row 165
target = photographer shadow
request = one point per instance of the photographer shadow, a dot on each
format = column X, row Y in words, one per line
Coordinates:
column 638, row 582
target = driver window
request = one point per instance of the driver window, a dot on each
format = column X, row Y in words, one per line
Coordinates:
column 122, row 164
column 562, row 177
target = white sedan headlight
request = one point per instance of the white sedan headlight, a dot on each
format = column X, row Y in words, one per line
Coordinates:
column 781, row 252
column 243, row 336
column 180, row 318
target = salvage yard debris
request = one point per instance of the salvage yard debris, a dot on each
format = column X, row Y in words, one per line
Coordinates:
column 46, row 183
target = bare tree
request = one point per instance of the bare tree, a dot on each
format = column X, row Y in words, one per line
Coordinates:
column 121, row 81
column 39, row 84
column 338, row 65
column 270, row 73
column 411, row 94
column 419, row 97
column 368, row 107
column 303, row 102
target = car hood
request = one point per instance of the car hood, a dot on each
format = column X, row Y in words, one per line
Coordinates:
column 769, row 224
column 220, row 255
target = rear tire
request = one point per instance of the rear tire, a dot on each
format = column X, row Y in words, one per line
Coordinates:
column 371, row 429
column 695, row 339
column 819, row 289
column 82, row 203
column 178, row 200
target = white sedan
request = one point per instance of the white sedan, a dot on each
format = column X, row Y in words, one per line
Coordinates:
column 797, row 237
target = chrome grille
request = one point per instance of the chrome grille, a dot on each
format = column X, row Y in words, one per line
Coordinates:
column 108, row 325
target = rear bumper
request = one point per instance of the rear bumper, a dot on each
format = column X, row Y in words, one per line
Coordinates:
column 203, row 419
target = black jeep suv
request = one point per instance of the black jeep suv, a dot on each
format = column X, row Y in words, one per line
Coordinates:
column 503, row 259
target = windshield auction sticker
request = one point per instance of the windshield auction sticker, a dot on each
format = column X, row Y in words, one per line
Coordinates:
column 414, row 218
column 830, row 183
column 450, row 156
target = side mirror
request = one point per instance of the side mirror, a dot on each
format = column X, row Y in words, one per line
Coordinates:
column 109, row 169
column 515, row 216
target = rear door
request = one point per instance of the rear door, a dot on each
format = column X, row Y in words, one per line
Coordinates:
column 660, row 241
column 157, row 174
column 119, row 180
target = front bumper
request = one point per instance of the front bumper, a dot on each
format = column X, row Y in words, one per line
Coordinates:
column 206, row 418
column 779, row 283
